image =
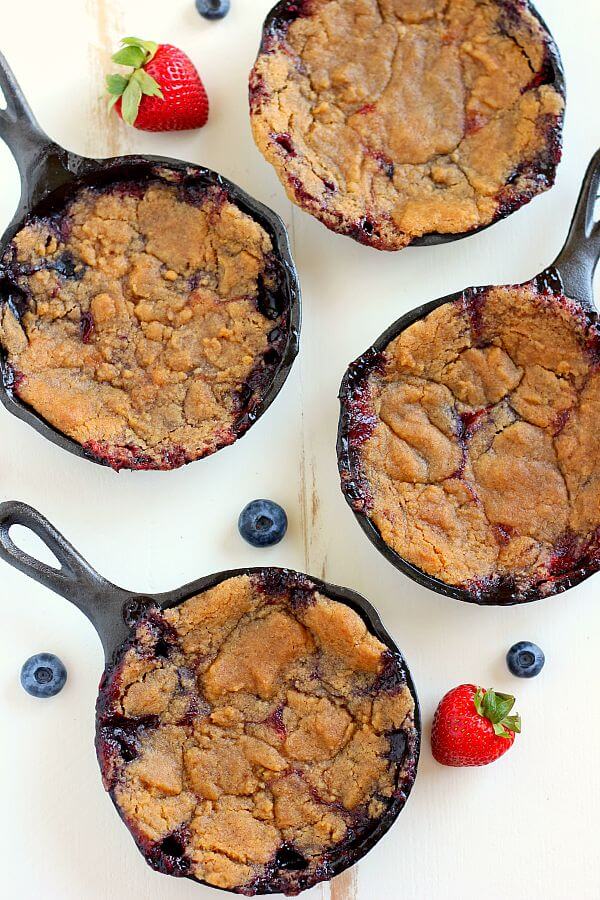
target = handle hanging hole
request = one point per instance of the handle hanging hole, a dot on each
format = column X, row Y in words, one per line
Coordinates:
column 30, row 543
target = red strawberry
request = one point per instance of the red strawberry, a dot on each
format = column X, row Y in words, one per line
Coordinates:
column 472, row 727
column 163, row 92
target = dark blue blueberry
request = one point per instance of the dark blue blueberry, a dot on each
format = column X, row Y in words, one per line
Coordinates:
column 213, row 9
column 263, row 523
column 66, row 266
column 288, row 858
column 525, row 660
column 397, row 741
column 43, row 675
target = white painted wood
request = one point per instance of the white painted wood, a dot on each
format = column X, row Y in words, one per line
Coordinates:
column 526, row 826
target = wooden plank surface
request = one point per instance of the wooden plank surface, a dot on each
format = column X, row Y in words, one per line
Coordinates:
column 106, row 136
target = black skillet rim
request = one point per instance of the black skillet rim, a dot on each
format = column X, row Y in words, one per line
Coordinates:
column 550, row 280
column 288, row 10
column 90, row 172
column 349, row 855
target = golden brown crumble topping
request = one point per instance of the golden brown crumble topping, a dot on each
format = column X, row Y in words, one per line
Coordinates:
column 266, row 727
column 141, row 322
column 393, row 119
column 482, row 460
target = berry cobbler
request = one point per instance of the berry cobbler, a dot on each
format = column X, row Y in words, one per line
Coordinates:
column 391, row 120
column 145, row 320
column 471, row 442
column 256, row 736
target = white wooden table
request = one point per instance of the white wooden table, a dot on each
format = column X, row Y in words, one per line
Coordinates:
column 527, row 826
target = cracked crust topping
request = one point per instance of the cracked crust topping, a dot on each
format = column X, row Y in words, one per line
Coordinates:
column 393, row 119
column 144, row 320
column 255, row 735
column 472, row 442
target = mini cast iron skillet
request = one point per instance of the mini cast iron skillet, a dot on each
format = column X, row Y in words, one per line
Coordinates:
column 287, row 10
column 114, row 612
column 572, row 274
column 51, row 175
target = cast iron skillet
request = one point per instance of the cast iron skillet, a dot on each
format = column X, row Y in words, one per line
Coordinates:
column 286, row 11
column 114, row 612
column 50, row 175
column 572, row 274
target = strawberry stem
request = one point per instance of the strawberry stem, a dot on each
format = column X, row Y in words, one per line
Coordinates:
column 130, row 88
column 496, row 708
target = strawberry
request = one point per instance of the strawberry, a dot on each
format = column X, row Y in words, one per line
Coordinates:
column 163, row 92
column 473, row 727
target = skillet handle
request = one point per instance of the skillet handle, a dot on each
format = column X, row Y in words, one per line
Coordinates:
column 18, row 125
column 579, row 257
column 103, row 603
column 43, row 165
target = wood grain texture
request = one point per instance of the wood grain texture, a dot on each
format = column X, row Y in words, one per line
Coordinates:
column 313, row 521
column 345, row 886
column 107, row 136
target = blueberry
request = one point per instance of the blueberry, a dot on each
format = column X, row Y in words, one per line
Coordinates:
column 263, row 523
column 525, row 660
column 288, row 858
column 43, row 675
column 213, row 9
column 66, row 266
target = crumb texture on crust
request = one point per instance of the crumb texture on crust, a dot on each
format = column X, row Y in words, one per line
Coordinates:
column 252, row 735
column 394, row 119
column 481, row 464
column 140, row 320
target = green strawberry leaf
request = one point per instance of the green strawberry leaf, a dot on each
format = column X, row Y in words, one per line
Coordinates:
column 504, row 696
column 478, row 700
column 513, row 723
column 150, row 47
column 130, row 56
column 488, row 704
column 504, row 705
column 148, row 84
column 131, row 102
column 500, row 731
column 131, row 88
column 495, row 707
column 116, row 84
